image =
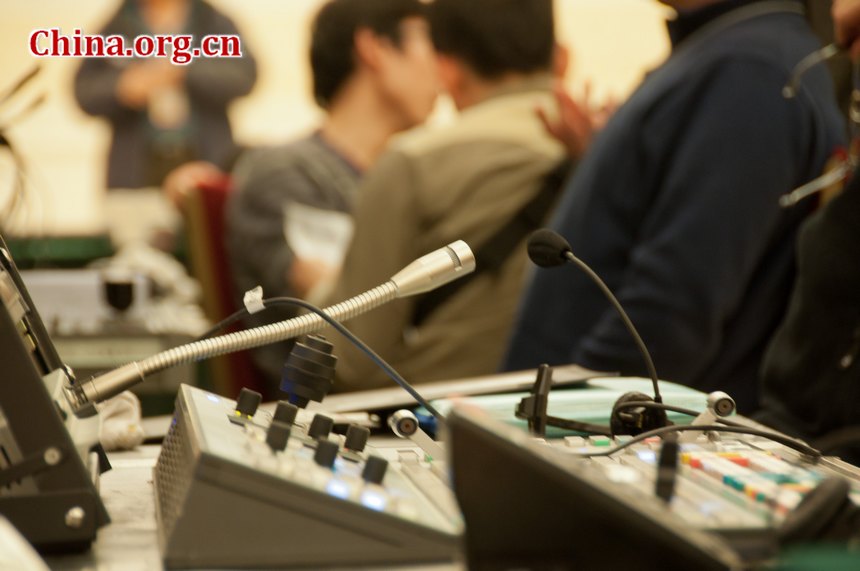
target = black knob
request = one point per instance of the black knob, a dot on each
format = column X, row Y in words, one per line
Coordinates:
column 248, row 402
column 356, row 438
column 309, row 371
column 278, row 435
column 326, row 453
column 374, row 470
column 286, row 412
column 320, row 427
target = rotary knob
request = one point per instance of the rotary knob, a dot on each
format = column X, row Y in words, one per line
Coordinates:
column 247, row 402
column 326, row 453
column 278, row 435
column 356, row 438
column 286, row 412
column 374, row 470
column 320, row 427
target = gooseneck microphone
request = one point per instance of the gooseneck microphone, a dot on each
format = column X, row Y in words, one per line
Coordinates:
column 548, row 249
column 424, row 274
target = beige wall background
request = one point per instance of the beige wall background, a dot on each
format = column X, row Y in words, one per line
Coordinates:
column 613, row 43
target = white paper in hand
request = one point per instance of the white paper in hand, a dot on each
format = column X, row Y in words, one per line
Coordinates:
column 317, row 234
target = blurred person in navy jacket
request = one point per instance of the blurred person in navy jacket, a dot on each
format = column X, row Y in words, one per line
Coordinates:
column 676, row 206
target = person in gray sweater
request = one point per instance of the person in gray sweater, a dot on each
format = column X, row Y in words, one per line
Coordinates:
column 374, row 75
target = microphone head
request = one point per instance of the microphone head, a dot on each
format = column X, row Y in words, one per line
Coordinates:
column 435, row 269
column 547, row 249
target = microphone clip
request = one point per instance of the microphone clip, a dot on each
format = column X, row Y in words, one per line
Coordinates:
column 533, row 409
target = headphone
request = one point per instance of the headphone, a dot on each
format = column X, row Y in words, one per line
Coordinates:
column 633, row 412
column 826, row 514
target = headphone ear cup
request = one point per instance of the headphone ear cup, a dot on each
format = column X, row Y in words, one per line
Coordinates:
column 632, row 421
column 825, row 513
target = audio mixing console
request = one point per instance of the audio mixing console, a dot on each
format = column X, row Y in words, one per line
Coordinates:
column 238, row 487
column 732, row 501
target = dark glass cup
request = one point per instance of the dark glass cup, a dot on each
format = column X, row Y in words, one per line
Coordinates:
column 119, row 290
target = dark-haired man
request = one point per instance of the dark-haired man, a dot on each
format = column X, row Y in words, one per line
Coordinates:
column 464, row 181
column 676, row 206
column 374, row 75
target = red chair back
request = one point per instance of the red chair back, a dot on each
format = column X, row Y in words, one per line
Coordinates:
column 204, row 209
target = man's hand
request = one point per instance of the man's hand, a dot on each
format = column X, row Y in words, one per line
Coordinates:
column 185, row 178
column 577, row 122
column 140, row 80
column 846, row 25
column 305, row 274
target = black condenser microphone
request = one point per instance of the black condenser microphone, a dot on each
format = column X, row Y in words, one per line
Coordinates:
column 548, row 249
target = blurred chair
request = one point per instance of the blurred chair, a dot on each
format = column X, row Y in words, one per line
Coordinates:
column 203, row 209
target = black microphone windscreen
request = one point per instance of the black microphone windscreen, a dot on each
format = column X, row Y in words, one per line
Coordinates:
column 547, row 248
